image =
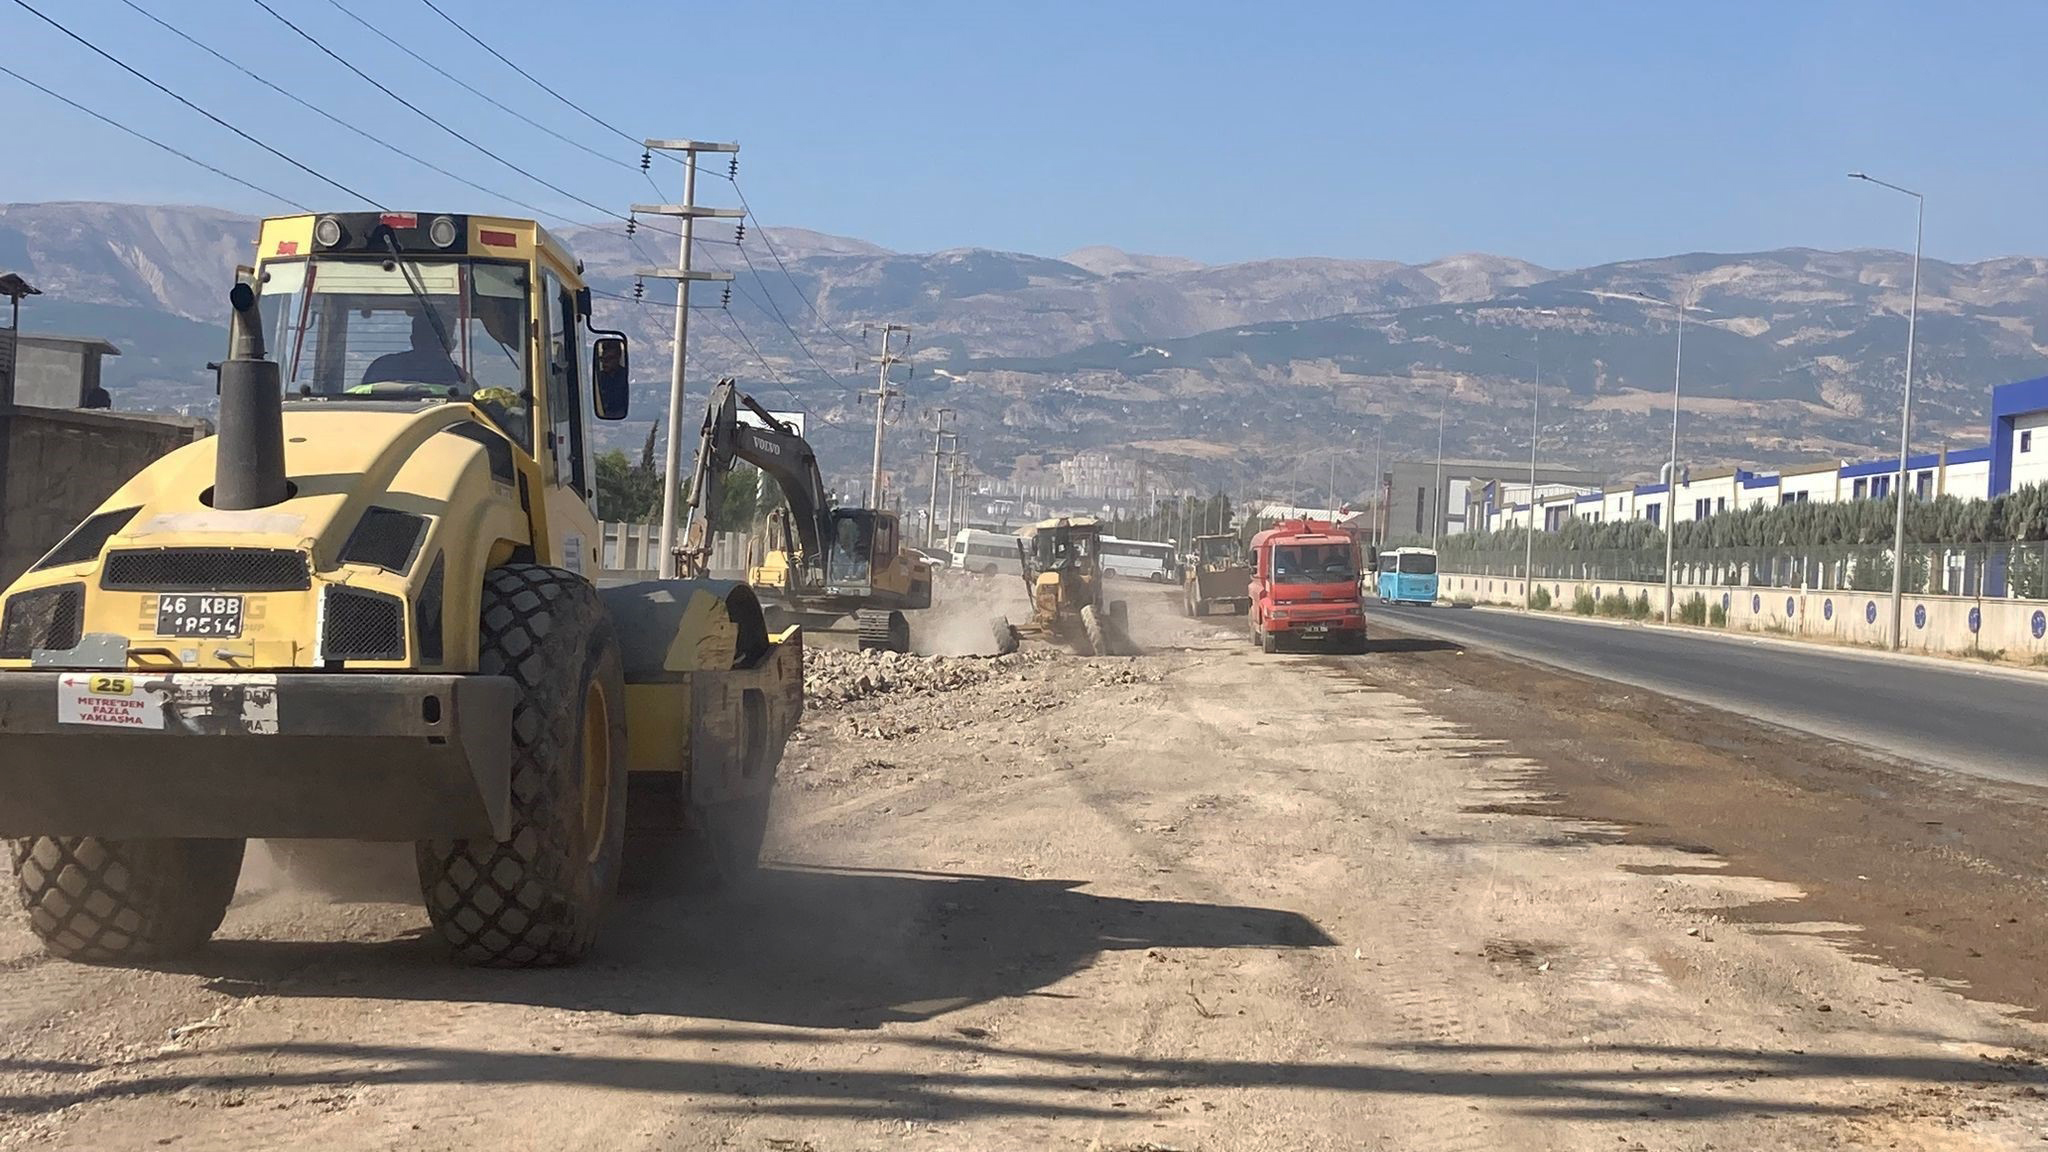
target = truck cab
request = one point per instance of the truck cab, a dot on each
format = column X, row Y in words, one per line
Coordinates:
column 1305, row 587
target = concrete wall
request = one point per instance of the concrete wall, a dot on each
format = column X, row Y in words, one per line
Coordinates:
column 53, row 375
column 1941, row 624
column 57, row 466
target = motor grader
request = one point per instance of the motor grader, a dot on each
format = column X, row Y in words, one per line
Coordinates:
column 824, row 564
column 365, row 610
column 1063, row 573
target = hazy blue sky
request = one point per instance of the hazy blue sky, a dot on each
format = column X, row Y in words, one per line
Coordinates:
column 1564, row 134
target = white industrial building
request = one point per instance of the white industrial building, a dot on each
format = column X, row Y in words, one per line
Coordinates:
column 2015, row 456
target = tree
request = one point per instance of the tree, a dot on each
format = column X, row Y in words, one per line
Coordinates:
column 628, row 492
column 739, row 500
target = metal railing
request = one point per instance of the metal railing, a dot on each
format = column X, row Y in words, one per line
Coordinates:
column 636, row 549
column 1993, row 571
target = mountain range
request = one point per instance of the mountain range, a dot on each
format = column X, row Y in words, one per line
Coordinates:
column 1230, row 375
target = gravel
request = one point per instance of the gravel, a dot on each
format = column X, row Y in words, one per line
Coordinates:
column 834, row 678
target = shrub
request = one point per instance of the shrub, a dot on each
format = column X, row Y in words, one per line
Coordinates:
column 1614, row 604
column 1583, row 603
column 1717, row 616
column 1640, row 610
column 1540, row 599
column 1693, row 609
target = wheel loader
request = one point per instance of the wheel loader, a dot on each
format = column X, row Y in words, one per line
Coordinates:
column 823, row 563
column 1063, row 574
column 366, row 609
column 1218, row 575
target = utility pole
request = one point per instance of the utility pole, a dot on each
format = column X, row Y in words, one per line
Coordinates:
column 1379, row 514
column 682, row 274
column 956, row 514
column 883, row 393
column 931, row 508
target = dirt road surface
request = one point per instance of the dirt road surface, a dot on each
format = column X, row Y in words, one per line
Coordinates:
column 1198, row 899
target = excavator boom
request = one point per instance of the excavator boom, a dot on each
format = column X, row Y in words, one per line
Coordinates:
column 778, row 451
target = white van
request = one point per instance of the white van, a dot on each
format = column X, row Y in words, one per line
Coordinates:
column 986, row 553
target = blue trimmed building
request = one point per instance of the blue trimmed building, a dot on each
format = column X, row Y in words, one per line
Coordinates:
column 2016, row 455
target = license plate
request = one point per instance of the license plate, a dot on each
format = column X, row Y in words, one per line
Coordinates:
column 1314, row 629
column 180, row 614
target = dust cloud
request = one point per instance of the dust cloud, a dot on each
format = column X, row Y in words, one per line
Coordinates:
column 964, row 607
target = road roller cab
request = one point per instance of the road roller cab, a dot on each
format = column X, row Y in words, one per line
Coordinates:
column 368, row 609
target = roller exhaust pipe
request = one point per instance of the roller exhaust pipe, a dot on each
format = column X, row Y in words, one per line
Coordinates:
column 249, row 448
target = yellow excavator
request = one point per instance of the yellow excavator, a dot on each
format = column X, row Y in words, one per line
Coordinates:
column 822, row 563
column 368, row 609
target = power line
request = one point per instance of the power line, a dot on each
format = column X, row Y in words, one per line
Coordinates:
column 113, row 123
column 787, row 326
column 332, row 118
column 773, row 374
column 536, row 80
column 110, row 58
column 422, row 113
column 372, row 137
column 762, row 230
column 472, row 90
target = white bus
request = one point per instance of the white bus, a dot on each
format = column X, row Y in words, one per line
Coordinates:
column 1137, row 559
column 986, row 553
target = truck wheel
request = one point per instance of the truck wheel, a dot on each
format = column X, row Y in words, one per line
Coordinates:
column 534, row 900
column 1091, row 626
column 1005, row 634
column 1269, row 642
column 117, row 901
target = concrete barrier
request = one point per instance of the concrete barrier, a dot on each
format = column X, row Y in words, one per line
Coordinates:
column 57, row 465
column 2016, row 630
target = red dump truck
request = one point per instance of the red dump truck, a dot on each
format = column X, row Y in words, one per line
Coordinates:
column 1305, row 586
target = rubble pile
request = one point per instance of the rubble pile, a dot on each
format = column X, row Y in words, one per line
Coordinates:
column 833, row 678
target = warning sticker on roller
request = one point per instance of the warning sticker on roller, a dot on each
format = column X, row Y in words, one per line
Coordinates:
column 107, row 701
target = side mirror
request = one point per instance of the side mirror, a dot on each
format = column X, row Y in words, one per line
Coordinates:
column 610, row 382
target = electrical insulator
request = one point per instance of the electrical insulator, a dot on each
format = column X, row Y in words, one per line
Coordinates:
column 632, row 225
column 639, row 288
column 645, row 160
column 739, row 233
column 732, row 166
column 725, row 298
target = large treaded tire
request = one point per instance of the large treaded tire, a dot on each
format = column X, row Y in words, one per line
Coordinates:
column 1117, row 630
column 535, row 900
column 1005, row 634
column 121, row 901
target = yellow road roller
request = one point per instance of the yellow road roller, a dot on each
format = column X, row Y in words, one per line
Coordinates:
column 369, row 609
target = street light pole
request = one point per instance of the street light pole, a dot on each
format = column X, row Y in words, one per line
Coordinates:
column 1671, row 479
column 1899, row 490
column 1436, row 501
column 1535, row 430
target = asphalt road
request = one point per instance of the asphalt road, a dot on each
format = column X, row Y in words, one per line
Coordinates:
column 1984, row 722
